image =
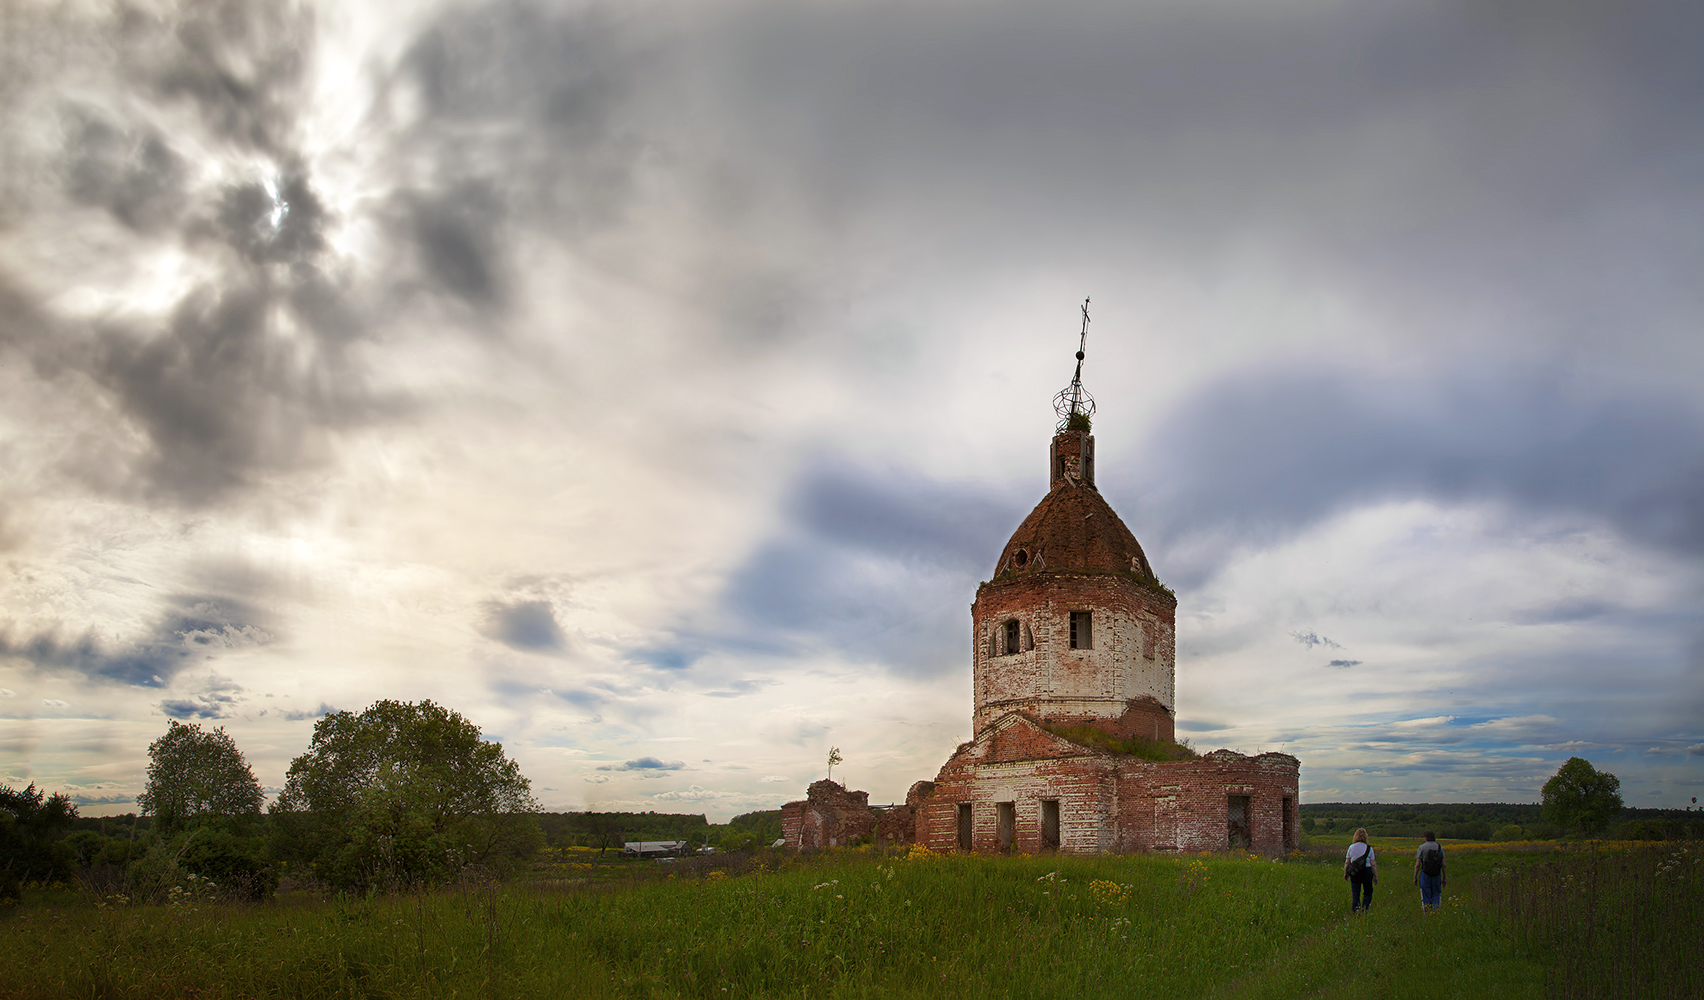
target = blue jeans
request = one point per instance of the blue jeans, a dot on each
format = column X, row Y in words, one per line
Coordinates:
column 1361, row 893
column 1431, row 891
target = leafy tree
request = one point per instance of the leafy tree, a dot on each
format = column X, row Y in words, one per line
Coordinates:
column 404, row 794
column 833, row 759
column 204, row 801
column 30, row 848
column 1582, row 797
column 194, row 775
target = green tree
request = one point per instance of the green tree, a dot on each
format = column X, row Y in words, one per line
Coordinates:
column 833, row 759
column 404, row 794
column 31, row 848
column 195, row 775
column 1580, row 797
column 205, row 803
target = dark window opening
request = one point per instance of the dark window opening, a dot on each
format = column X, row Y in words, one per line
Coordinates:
column 1049, row 824
column 1237, row 822
column 1080, row 635
column 964, row 827
column 1014, row 637
column 1020, row 559
column 1007, row 814
column 1289, row 823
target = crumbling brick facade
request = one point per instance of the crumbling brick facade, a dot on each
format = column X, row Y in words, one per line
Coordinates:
column 1074, row 629
column 993, row 795
column 897, row 824
column 829, row 816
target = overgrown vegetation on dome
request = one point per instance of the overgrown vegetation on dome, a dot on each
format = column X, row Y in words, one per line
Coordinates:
column 1144, row 749
column 1078, row 421
column 1153, row 583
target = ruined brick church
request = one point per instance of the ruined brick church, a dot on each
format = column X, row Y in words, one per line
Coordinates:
column 1074, row 662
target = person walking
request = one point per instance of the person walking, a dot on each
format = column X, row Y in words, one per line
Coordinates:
column 1361, row 868
column 1429, row 873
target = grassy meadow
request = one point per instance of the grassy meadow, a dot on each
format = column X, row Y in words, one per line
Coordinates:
column 855, row 924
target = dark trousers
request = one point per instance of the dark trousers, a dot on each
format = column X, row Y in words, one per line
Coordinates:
column 1361, row 893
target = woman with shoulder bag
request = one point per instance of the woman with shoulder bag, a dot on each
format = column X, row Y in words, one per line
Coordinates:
column 1361, row 868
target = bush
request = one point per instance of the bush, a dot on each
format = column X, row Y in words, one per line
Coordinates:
column 235, row 865
column 1508, row 833
column 31, row 824
column 1641, row 830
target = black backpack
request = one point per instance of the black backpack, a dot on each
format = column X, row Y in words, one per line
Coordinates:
column 1432, row 862
column 1358, row 867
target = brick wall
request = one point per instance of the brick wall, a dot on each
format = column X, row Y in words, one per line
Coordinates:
column 1107, row 802
column 1125, row 681
column 897, row 824
column 828, row 816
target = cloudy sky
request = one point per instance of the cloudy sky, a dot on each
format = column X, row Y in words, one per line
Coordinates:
column 653, row 382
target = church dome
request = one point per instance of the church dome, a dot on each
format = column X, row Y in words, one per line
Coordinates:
column 1073, row 530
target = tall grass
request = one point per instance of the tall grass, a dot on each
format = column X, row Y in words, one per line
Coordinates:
column 1622, row 925
column 841, row 925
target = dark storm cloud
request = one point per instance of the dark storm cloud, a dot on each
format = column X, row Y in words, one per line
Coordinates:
column 193, row 630
column 644, row 764
column 903, row 516
column 240, row 62
column 875, row 564
column 522, row 125
column 219, row 394
column 529, row 626
column 1255, row 458
column 1310, row 639
column 217, row 699
column 1444, row 158
column 136, row 176
column 282, row 225
column 249, row 370
column 457, row 233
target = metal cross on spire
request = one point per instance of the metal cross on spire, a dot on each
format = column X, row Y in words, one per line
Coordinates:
column 1073, row 404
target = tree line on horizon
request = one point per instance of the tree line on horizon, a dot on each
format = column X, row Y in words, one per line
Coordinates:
column 408, row 795
column 403, row 794
column 1578, row 800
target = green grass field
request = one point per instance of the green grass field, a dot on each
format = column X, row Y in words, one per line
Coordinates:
column 848, row 924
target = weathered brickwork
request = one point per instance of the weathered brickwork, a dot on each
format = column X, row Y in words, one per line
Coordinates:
column 1123, row 682
column 1106, row 801
column 1073, row 629
column 897, row 824
column 829, row 816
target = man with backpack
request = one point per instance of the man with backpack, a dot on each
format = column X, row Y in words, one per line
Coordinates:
column 1429, row 873
column 1361, row 868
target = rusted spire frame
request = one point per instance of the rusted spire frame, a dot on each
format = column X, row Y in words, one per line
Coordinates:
column 1074, row 399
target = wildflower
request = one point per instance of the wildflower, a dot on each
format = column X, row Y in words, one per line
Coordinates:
column 1107, row 893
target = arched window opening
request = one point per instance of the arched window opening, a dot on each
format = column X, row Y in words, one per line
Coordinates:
column 1014, row 637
